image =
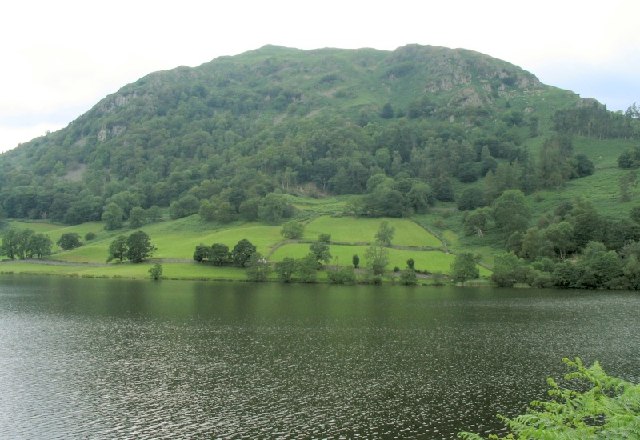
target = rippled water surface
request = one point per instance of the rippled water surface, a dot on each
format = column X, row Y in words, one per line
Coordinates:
column 121, row 359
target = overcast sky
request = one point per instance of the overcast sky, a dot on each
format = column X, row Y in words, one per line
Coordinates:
column 61, row 57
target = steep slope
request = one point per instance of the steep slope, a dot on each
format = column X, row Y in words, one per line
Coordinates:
column 279, row 119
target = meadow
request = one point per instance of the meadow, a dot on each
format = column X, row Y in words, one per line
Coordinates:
column 176, row 240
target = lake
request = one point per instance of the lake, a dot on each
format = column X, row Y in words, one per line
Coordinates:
column 120, row 359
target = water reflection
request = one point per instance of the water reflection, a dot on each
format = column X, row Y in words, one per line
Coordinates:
column 112, row 358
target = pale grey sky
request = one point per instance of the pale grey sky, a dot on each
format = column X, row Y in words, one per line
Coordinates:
column 60, row 58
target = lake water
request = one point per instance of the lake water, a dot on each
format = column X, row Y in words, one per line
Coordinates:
column 137, row 359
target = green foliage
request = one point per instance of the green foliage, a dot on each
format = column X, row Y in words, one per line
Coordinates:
column 25, row 243
column 385, row 233
column 285, row 269
column 112, row 216
column 561, row 238
column 273, row 208
column 139, row 247
column 118, row 249
column 377, row 259
column 411, row 264
column 137, row 217
column 471, row 198
column 355, row 260
column 511, row 212
column 241, row 252
column 258, row 268
column 38, row 246
column 90, row 236
column 593, row 405
column 341, row 275
column 155, row 271
column 408, row 277
column 136, row 247
column 464, row 268
column 307, row 269
column 508, row 270
column 69, row 240
column 184, row 206
column 292, row 230
column 219, row 254
column 201, row 253
column 320, row 249
column 477, row 222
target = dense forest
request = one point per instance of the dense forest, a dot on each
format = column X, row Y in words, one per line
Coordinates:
column 401, row 131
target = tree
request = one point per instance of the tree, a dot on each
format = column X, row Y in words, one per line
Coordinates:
column 39, row 245
column 587, row 223
column 273, row 208
column 184, row 206
column 307, row 268
column 219, row 254
column 292, row 230
column 387, row 111
column 355, row 260
column 155, row 271
column 476, row 222
column 112, row 216
column 377, row 259
column 560, row 236
column 385, row 233
column 201, row 253
column 285, row 269
column 593, row 406
column 139, row 247
column 118, row 249
column 471, row 198
column 511, row 212
column 599, row 267
column 535, row 244
column 23, row 239
column 69, row 240
column 411, row 264
column 258, row 268
column 10, row 243
column 508, row 270
column 320, row 249
column 464, row 268
column 419, row 197
column 137, row 217
column 241, row 252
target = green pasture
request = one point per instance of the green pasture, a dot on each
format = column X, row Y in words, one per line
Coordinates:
column 363, row 230
column 170, row 241
column 431, row 261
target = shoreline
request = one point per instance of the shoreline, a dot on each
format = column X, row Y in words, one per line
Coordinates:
column 172, row 270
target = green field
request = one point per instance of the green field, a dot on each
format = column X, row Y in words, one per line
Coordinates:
column 363, row 230
column 178, row 243
column 430, row 261
column 176, row 240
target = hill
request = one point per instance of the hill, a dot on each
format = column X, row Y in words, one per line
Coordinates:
column 318, row 122
column 429, row 133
